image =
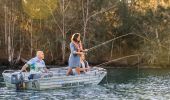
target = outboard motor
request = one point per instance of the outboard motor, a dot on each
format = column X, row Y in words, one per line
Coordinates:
column 17, row 79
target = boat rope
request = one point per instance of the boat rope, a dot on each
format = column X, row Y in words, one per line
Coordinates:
column 107, row 42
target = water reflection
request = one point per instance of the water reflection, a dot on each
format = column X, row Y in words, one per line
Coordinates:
column 123, row 84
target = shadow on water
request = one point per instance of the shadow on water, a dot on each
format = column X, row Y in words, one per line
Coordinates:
column 126, row 84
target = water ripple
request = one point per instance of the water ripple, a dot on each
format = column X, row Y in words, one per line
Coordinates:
column 124, row 84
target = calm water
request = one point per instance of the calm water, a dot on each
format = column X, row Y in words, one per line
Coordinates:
column 123, row 84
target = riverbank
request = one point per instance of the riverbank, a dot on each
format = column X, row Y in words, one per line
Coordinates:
column 123, row 63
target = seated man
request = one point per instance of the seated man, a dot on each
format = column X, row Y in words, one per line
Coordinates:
column 84, row 64
column 36, row 65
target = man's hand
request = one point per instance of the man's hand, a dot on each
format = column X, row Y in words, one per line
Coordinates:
column 46, row 70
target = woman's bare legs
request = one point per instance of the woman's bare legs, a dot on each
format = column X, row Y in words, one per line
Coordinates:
column 69, row 71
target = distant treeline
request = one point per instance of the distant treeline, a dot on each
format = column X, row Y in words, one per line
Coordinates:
column 30, row 25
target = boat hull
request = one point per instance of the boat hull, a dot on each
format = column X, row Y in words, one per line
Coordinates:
column 59, row 79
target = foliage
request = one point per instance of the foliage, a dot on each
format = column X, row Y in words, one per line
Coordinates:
column 30, row 25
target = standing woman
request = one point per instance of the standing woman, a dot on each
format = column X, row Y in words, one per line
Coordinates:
column 76, row 51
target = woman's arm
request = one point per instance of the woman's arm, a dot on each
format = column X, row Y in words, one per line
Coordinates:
column 81, row 48
column 79, row 53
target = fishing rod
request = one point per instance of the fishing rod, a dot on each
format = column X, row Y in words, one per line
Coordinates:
column 116, row 60
column 107, row 42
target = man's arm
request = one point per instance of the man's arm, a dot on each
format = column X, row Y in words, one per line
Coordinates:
column 46, row 70
column 28, row 64
column 24, row 68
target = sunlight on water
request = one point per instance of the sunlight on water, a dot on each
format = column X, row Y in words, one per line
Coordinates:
column 123, row 84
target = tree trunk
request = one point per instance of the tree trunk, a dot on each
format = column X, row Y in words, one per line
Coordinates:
column 63, row 33
column 5, row 10
column 85, row 18
column 31, row 39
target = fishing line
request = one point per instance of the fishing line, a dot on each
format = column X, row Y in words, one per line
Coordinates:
column 116, row 60
column 107, row 42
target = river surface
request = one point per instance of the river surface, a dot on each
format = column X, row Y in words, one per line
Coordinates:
column 120, row 84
